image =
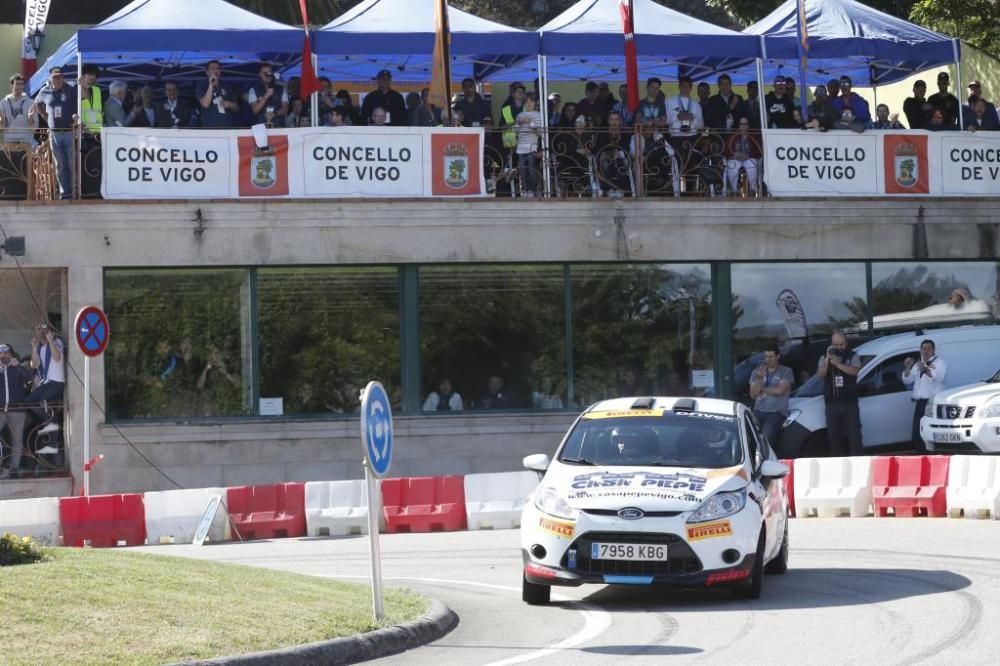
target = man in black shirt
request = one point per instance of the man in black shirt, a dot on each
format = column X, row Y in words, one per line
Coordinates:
column 917, row 109
column 944, row 101
column 384, row 97
column 724, row 109
column 780, row 108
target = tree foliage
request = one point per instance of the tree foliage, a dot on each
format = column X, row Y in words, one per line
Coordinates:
column 973, row 21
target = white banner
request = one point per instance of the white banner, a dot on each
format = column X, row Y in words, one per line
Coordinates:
column 336, row 162
column 882, row 163
column 36, row 12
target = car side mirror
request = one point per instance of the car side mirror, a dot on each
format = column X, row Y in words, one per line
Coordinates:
column 772, row 469
column 538, row 462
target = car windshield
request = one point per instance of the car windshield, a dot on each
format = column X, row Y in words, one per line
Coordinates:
column 670, row 439
column 814, row 385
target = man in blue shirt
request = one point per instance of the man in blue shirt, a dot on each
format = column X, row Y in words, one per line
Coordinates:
column 56, row 104
column 852, row 101
column 217, row 99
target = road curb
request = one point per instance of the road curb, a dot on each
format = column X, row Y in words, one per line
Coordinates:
column 432, row 625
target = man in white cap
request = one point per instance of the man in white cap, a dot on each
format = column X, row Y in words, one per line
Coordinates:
column 14, row 379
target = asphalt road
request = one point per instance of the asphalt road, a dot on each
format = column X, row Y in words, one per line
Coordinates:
column 883, row 591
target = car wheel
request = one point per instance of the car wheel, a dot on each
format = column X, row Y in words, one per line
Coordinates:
column 816, row 446
column 533, row 593
column 779, row 564
column 752, row 588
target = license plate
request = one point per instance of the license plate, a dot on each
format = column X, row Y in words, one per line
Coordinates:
column 636, row 552
column 947, row 437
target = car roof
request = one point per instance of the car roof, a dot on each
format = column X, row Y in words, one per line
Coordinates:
column 704, row 405
column 910, row 341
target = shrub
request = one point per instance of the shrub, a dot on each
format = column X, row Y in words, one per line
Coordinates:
column 18, row 550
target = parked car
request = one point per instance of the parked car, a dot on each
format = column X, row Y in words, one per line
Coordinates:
column 966, row 418
column 682, row 491
column 886, row 409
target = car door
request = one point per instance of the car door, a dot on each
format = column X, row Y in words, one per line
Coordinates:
column 768, row 492
column 884, row 402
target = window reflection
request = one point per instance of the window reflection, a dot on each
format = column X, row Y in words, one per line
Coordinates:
column 496, row 333
column 932, row 294
column 642, row 330
column 796, row 305
column 180, row 342
column 324, row 333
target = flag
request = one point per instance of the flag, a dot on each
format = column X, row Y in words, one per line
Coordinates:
column 631, row 59
column 440, row 93
column 36, row 12
column 308, row 84
column 803, row 44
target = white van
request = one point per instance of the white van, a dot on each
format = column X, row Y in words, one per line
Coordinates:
column 971, row 352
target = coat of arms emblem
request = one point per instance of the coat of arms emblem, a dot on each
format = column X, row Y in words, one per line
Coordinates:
column 907, row 164
column 264, row 168
column 456, row 165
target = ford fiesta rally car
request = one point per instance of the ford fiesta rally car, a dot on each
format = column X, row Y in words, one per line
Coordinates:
column 681, row 491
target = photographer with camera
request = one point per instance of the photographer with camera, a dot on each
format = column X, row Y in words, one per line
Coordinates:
column 770, row 385
column 217, row 100
column 838, row 369
column 926, row 376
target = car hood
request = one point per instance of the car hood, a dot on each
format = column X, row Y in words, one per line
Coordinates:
column 646, row 488
column 970, row 394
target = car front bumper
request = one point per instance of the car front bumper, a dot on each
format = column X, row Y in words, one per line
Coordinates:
column 967, row 435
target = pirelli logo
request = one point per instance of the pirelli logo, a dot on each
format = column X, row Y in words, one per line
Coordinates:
column 559, row 528
column 709, row 531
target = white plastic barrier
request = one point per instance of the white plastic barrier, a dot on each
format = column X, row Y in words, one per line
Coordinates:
column 829, row 487
column 37, row 518
column 172, row 516
column 494, row 501
column 974, row 487
column 336, row 508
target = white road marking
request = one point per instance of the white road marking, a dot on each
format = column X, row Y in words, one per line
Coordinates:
column 596, row 620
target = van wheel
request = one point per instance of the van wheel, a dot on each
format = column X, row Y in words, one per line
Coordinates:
column 533, row 593
column 753, row 587
column 779, row 564
column 817, row 445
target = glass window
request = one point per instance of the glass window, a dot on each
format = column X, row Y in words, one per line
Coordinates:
column 906, row 295
column 796, row 305
column 496, row 333
column 642, row 330
column 887, row 377
column 324, row 333
column 181, row 343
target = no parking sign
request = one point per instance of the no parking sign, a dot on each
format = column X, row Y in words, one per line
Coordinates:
column 92, row 334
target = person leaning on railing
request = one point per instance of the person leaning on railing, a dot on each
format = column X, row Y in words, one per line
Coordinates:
column 56, row 105
column 17, row 114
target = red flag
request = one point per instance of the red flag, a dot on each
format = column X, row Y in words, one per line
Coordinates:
column 309, row 84
column 631, row 58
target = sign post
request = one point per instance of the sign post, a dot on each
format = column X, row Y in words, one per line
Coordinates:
column 92, row 334
column 376, row 440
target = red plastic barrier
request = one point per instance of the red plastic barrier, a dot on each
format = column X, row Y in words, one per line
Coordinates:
column 268, row 512
column 424, row 504
column 103, row 520
column 790, row 486
column 910, row 485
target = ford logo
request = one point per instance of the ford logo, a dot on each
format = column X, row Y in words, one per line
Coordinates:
column 631, row 513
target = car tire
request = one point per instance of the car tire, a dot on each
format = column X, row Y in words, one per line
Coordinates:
column 779, row 564
column 752, row 588
column 535, row 594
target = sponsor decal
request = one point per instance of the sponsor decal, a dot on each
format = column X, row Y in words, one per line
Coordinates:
column 736, row 470
column 709, row 531
column 624, row 413
column 706, row 415
column 557, row 527
column 694, row 483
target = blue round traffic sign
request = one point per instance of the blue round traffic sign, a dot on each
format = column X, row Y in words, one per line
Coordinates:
column 92, row 330
column 376, row 428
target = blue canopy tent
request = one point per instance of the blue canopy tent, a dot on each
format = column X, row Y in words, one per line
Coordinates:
column 172, row 39
column 586, row 41
column 848, row 38
column 398, row 35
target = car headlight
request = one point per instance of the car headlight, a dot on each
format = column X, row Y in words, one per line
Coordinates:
column 547, row 500
column 790, row 419
column 991, row 410
column 720, row 505
column 929, row 409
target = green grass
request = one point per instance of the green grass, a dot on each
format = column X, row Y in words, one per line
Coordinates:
column 105, row 606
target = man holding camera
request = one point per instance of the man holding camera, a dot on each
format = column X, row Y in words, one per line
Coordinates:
column 217, row 100
column 770, row 385
column 926, row 376
column 838, row 369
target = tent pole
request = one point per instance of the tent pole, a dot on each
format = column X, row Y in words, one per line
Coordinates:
column 543, row 105
column 763, row 112
column 958, row 80
column 314, row 98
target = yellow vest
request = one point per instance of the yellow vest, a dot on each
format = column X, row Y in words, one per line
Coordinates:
column 92, row 111
column 509, row 136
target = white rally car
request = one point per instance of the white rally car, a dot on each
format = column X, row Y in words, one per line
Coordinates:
column 964, row 418
column 681, row 491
